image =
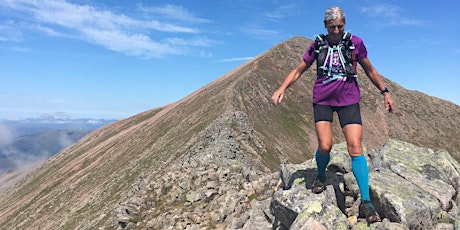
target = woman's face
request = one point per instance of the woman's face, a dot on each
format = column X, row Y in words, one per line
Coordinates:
column 335, row 29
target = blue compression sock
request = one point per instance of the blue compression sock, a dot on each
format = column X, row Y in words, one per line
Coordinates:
column 361, row 172
column 321, row 163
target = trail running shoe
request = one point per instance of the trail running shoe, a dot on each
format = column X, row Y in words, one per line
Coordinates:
column 318, row 185
column 367, row 209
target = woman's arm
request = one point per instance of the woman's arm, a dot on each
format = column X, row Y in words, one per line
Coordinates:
column 376, row 79
column 291, row 78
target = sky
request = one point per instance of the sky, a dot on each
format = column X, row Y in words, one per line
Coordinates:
column 112, row 59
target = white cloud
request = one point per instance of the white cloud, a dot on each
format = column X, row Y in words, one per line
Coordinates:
column 135, row 44
column 203, row 42
column 390, row 15
column 9, row 31
column 172, row 12
column 118, row 32
column 47, row 30
column 258, row 32
column 235, row 59
column 285, row 10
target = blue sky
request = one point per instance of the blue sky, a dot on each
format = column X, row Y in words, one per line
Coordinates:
column 114, row 59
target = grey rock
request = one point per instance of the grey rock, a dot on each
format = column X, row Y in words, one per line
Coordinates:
column 260, row 216
column 421, row 169
column 411, row 187
column 401, row 201
column 193, row 196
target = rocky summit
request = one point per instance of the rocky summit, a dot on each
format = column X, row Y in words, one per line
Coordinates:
column 411, row 187
column 212, row 160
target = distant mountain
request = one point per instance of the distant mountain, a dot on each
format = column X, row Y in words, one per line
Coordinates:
column 27, row 142
column 207, row 160
column 58, row 121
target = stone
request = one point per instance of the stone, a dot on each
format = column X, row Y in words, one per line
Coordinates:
column 412, row 188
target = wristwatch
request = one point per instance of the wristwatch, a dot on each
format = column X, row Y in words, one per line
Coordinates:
column 385, row 91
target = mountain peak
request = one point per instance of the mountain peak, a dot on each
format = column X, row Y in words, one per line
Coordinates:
column 214, row 151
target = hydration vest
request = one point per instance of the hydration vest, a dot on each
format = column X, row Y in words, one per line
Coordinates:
column 324, row 52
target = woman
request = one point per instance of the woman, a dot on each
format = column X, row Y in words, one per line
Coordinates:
column 336, row 90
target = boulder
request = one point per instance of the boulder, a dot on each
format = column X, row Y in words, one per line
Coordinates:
column 411, row 187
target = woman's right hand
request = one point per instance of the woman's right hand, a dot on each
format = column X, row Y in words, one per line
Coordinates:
column 277, row 97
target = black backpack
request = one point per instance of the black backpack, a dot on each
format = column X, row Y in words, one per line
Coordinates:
column 323, row 50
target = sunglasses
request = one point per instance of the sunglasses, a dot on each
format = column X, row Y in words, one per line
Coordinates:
column 333, row 27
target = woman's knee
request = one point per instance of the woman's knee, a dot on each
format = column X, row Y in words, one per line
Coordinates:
column 325, row 148
column 355, row 149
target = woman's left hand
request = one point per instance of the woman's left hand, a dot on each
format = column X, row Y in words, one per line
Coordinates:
column 389, row 103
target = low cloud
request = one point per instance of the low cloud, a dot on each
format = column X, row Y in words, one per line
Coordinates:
column 6, row 135
column 13, row 163
column 16, row 168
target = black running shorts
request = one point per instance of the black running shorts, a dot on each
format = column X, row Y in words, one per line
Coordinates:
column 349, row 114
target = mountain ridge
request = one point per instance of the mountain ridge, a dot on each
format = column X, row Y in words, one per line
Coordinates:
column 229, row 123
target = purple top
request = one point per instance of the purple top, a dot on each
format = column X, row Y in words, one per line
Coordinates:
column 343, row 91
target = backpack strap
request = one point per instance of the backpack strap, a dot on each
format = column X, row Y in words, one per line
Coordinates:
column 346, row 40
column 320, row 43
column 321, row 49
column 349, row 54
column 324, row 51
column 345, row 50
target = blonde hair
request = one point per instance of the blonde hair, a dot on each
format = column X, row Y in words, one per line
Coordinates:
column 333, row 13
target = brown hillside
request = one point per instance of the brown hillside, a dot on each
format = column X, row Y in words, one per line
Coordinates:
column 227, row 121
